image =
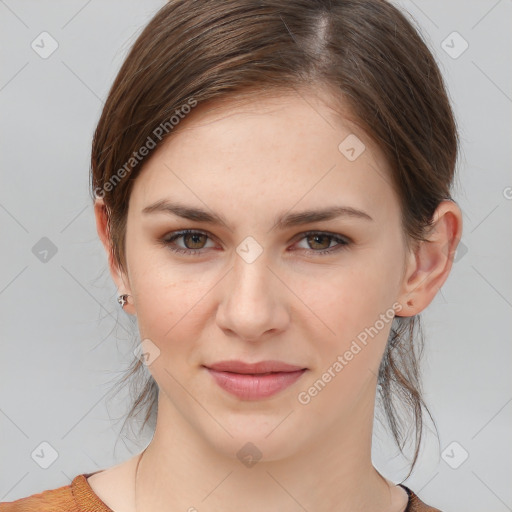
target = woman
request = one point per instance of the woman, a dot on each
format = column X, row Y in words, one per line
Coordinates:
column 272, row 187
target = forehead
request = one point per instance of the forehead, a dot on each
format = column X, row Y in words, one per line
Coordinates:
column 282, row 148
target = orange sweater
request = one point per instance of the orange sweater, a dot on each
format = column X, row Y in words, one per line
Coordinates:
column 79, row 497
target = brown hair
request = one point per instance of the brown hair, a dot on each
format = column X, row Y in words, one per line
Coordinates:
column 365, row 51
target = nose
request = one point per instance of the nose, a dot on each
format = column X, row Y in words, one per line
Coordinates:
column 253, row 304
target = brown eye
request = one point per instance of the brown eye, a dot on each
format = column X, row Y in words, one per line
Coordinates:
column 194, row 240
column 190, row 242
column 319, row 241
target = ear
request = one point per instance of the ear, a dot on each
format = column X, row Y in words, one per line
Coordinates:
column 118, row 276
column 429, row 263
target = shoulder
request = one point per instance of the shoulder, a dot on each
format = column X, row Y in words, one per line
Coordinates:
column 415, row 504
column 58, row 500
column 75, row 497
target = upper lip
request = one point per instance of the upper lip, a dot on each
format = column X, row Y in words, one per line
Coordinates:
column 256, row 368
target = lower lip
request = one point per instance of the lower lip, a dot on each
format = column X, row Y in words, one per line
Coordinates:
column 254, row 387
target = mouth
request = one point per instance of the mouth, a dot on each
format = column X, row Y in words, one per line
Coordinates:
column 254, row 381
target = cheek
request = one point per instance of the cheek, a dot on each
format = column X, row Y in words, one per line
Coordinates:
column 344, row 301
column 356, row 307
column 168, row 304
column 168, row 296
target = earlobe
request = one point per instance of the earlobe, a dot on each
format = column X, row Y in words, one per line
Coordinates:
column 430, row 263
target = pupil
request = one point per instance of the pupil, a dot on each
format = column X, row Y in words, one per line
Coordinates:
column 316, row 237
column 194, row 236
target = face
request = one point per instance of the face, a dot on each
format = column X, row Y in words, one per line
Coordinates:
column 265, row 274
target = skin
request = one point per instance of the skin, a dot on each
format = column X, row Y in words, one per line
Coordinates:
column 250, row 161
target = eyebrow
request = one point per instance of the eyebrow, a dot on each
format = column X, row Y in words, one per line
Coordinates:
column 283, row 221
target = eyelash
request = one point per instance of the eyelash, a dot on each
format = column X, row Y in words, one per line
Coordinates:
column 343, row 242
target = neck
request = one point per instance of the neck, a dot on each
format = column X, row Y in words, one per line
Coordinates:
column 180, row 471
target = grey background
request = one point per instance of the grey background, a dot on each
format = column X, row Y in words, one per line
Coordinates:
column 64, row 341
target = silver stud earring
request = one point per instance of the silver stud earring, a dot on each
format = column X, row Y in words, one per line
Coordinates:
column 122, row 299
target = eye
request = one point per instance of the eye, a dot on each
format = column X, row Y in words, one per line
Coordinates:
column 319, row 242
column 192, row 239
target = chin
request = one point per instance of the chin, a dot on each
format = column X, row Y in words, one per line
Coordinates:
column 256, row 439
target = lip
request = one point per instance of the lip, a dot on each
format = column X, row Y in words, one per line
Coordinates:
column 260, row 367
column 254, row 381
